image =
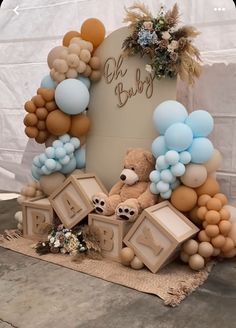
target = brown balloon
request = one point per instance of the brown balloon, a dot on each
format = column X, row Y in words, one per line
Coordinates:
column 51, row 105
column 42, row 136
column 38, row 101
column 31, row 131
column 41, row 113
column 58, row 123
column 47, row 94
column 68, row 36
column 30, row 106
column 80, row 125
column 184, row 198
column 210, row 187
column 30, row 119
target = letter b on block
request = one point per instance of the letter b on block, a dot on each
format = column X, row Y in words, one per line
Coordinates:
column 38, row 219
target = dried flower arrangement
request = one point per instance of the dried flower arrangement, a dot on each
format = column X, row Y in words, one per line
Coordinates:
column 83, row 239
column 170, row 48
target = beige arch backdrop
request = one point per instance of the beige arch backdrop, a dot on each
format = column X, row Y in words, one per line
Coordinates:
column 121, row 107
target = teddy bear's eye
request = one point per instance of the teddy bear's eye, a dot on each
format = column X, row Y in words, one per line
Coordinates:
column 132, row 168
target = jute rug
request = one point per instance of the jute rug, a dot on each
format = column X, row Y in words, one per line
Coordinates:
column 172, row 284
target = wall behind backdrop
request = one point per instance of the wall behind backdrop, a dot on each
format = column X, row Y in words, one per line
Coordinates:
column 29, row 29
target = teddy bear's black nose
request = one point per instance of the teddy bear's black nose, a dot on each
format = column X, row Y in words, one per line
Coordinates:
column 123, row 177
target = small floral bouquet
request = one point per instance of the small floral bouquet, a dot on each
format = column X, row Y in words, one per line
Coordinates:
column 66, row 241
column 170, row 48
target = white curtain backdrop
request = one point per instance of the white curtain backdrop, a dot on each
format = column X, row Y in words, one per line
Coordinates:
column 29, row 29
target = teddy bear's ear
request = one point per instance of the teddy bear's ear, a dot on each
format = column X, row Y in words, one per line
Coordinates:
column 129, row 150
column 149, row 157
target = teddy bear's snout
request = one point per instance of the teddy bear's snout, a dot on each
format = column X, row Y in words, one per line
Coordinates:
column 123, row 177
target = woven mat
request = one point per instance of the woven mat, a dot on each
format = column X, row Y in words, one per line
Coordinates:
column 172, row 284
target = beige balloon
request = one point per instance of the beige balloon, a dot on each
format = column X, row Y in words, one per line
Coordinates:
column 56, row 53
column 195, row 175
column 49, row 183
column 214, row 162
column 136, row 263
column 232, row 211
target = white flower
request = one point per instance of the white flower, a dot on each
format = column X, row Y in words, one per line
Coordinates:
column 57, row 243
column 52, row 239
column 67, row 235
column 172, row 46
column 148, row 68
column 148, row 25
column 165, row 35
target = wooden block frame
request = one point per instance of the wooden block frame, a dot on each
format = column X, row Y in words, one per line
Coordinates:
column 81, row 202
column 164, row 243
column 32, row 204
column 119, row 230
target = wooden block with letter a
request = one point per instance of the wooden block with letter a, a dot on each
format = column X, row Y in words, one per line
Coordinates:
column 38, row 216
column 157, row 234
column 72, row 201
column 112, row 232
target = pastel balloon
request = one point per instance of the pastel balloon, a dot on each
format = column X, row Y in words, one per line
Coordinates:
column 201, row 150
column 161, row 163
column 85, row 80
column 69, row 167
column 159, row 147
column 185, row 157
column 184, row 198
column 178, row 137
column 80, row 157
column 58, row 122
column 195, row 175
column 178, row 169
column 201, row 123
column 93, row 30
column 167, row 176
column 168, row 113
column 172, row 157
column 72, row 96
column 166, row 195
column 209, row 187
column 69, row 36
column 155, row 176
column 49, row 183
column 80, row 125
column 47, row 82
column 162, row 186
column 153, row 188
column 56, row 53
column 213, row 164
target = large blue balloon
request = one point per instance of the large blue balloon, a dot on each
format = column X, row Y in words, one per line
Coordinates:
column 178, row 137
column 72, row 96
column 201, row 123
column 47, row 82
column 85, row 80
column 201, row 150
column 168, row 113
column 159, row 147
column 69, row 167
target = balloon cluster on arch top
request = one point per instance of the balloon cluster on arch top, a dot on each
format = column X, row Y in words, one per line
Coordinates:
column 63, row 97
column 183, row 152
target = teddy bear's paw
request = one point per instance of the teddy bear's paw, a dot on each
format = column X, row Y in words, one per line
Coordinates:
column 101, row 205
column 127, row 213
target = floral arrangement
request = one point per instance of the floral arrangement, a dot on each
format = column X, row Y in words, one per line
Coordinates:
column 61, row 240
column 170, row 48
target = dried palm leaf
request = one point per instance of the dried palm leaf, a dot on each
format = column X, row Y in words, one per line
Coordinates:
column 172, row 16
column 136, row 13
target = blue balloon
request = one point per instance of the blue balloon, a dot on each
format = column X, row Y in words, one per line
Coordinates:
column 168, row 113
column 80, row 156
column 178, row 137
column 47, row 82
column 185, row 157
column 201, row 150
column 201, row 123
column 167, row 176
column 153, row 188
column 178, row 169
column 35, row 172
column 155, row 176
column 159, row 147
column 161, row 163
column 85, row 80
column 70, row 167
column 72, row 96
column 172, row 157
column 166, row 195
column 162, row 186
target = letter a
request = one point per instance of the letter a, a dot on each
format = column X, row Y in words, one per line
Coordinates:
column 71, row 206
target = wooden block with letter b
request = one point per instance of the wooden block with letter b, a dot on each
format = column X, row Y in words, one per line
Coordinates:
column 157, row 234
column 38, row 216
column 112, row 232
column 72, row 201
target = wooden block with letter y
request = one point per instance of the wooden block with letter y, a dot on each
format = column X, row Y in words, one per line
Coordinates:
column 157, row 234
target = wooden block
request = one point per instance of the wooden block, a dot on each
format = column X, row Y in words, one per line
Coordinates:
column 112, row 232
column 72, row 201
column 157, row 234
column 37, row 215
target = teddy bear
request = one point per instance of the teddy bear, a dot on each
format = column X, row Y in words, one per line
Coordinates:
column 129, row 196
